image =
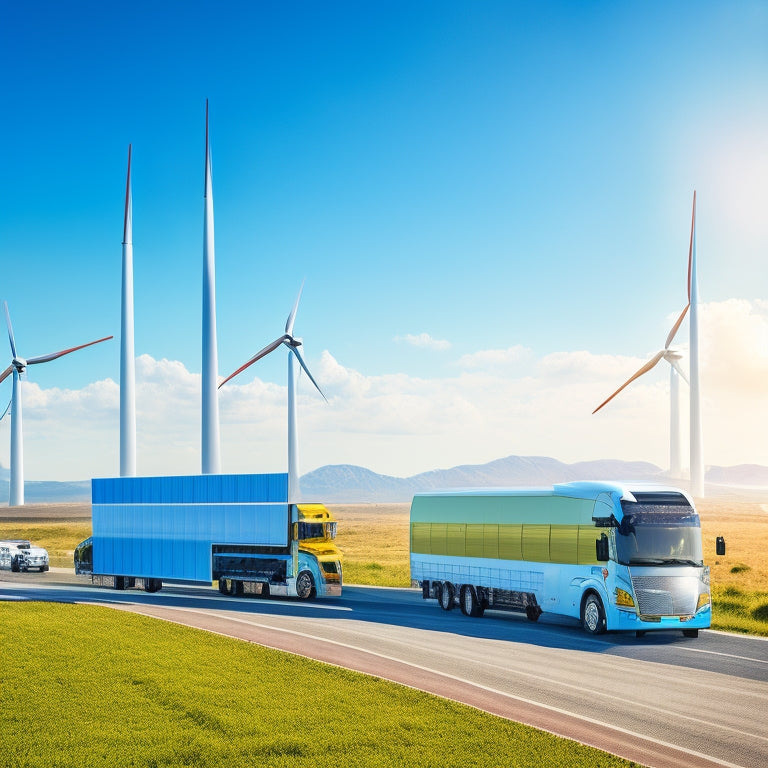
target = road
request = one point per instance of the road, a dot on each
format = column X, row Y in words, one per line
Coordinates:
column 661, row 700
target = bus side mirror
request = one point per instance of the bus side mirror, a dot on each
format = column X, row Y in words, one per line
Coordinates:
column 601, row 548
column 720, row 545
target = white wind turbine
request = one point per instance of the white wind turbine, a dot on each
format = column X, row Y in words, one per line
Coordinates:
column 672, row 356
column 293, row 345
column 17, row 367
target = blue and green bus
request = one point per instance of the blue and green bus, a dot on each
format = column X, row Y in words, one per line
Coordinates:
column 615, row 557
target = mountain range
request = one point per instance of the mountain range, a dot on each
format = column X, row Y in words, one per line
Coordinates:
column 347, row 483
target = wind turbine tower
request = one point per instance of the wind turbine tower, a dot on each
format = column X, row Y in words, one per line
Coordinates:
column 17, row 367
column 210, row 402
column 697, row 462
column 127, row 358
column 293, row 344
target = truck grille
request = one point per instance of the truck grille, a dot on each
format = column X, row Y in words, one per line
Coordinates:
column 666, row 595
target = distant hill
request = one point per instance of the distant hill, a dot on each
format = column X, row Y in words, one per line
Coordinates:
column 347, row 483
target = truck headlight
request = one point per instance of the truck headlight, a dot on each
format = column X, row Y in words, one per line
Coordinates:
column 624, row 598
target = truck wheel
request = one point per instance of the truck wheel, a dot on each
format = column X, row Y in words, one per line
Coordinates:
column 15, row 565
column 152, row 585
column 470, row 605
column 446, row 596
column 120, row 582
column 305, row 585
column 237, row 588
column 223, row 587
column 690, row 633
column 264, row 590
column 593, row 615
column 532, row 612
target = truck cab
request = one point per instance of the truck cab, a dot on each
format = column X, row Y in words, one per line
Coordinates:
column 21, row 555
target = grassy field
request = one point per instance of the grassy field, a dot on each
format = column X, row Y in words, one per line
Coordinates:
column 374, row 539
column 85, row 686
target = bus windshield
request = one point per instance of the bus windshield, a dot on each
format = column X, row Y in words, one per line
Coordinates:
column 664, row 531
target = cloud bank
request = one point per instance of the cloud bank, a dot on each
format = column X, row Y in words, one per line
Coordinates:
column 498, row 402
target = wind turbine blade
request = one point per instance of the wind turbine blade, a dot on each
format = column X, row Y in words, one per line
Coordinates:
column 690, row 246
column 54, row 355
column 680, row 371
column 6, row 373
column 647, row 367
column 264, row 352
column 292, row 316
column 10, row 328
column 306, row 370
column 676, row 326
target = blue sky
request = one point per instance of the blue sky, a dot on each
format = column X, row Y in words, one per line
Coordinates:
column 506, row 182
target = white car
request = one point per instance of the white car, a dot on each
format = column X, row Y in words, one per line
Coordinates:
column 21, row 555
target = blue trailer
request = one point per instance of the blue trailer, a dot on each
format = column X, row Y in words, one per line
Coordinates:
column 237, row 530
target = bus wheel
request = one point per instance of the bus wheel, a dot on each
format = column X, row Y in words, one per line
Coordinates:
column 470, row 605
column 532, row 612
column 446, row 596
column 593, row 615
column 640, row 633
column 305, row 585
column 690, row 633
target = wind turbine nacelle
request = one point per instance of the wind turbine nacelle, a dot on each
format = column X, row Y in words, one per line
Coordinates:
column 19, row 363
column 673, row 354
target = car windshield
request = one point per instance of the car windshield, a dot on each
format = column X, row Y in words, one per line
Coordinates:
column 657, row 532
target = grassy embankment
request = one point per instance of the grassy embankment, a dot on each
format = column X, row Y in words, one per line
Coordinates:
column 85, row 686
column 374, row 539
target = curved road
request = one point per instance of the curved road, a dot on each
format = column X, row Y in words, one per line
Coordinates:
column 661, row 700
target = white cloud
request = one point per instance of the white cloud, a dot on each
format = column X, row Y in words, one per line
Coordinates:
column 500, row 402
column 424, row 341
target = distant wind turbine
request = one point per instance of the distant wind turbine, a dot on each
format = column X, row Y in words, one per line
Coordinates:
column 210, row 399
column 17, row 367
column 127, row 359
column 673, row 357
column 293, row 345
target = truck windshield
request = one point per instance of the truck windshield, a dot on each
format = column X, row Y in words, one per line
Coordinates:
column 664, row 531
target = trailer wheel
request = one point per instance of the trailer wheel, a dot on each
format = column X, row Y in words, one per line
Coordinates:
column 447, row 594
column 532, row 612
column 237, row 588
column 470, row 605
column 152, row 585
column 120, row 582
column 690, row 633
column 593, row 615
column 305, row 586
column 264, row 590
column 223, row 587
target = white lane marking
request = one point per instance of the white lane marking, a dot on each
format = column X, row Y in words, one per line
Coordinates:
column 498, row 692
column 728, row 655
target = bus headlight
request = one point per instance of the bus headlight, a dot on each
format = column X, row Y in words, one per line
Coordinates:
column 703, row 601
column 624, row 598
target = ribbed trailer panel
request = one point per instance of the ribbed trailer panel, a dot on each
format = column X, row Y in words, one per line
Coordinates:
column 165, row 527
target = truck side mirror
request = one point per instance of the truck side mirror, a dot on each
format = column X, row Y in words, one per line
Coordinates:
column 720, row 545
column 601, row 548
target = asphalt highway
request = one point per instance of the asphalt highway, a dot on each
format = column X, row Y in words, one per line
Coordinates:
column 661, row 700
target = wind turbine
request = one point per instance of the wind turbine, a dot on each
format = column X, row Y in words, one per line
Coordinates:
column 697, row 457
column 17, row 367
column 293, row 345
column 672, row 356
column 127, row 359
column 211, row 456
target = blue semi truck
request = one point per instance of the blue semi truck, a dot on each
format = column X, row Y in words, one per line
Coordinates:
column 237, row 530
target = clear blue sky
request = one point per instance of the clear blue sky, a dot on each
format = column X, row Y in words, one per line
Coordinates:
column 491, row 174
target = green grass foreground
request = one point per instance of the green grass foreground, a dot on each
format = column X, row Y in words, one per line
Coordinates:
column 88, row 686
